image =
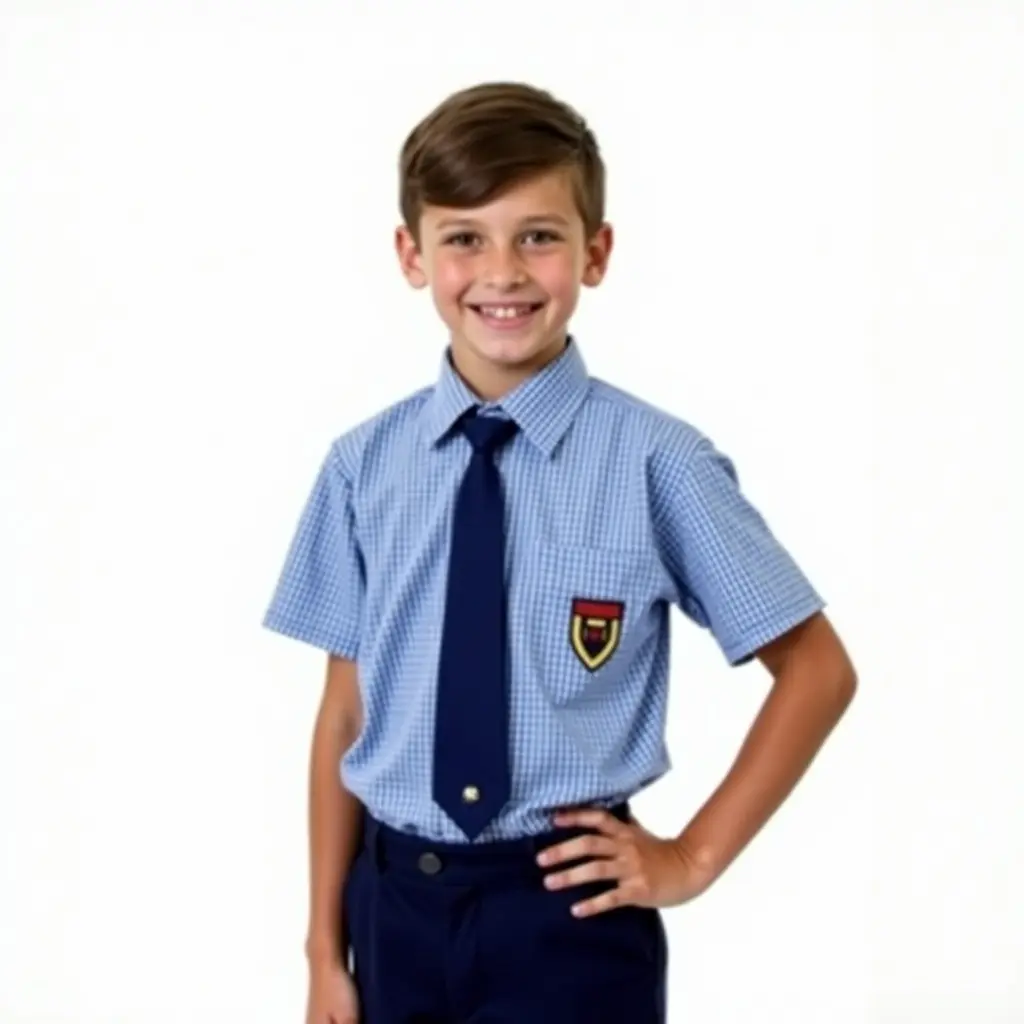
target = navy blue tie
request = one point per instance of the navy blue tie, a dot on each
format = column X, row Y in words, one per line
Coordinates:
column 471, row 755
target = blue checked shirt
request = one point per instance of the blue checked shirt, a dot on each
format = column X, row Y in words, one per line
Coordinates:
column 615, row 512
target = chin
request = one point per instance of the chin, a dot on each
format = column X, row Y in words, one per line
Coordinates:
column 515, row 350
column 512, row 356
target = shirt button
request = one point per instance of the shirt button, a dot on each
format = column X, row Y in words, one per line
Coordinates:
column 470, row 795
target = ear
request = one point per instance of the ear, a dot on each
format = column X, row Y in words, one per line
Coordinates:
column 599, row 250
column 409, row 257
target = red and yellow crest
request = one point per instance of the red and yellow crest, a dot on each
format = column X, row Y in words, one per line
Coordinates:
column 595, row 630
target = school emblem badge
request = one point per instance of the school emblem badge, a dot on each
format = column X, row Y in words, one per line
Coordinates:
column 595, row 630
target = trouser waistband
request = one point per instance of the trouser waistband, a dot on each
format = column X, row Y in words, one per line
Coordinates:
column 464, row 863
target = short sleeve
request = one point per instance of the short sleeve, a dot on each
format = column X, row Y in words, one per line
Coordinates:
column 733, row 577
column 319, row 595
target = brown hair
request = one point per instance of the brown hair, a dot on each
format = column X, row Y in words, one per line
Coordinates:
column 484, row 140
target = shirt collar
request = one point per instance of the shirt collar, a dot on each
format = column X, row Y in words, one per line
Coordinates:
column 543, row 406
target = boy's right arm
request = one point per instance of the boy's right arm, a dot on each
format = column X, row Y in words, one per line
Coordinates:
column 335, row 815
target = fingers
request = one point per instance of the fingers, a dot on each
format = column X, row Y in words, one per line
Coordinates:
column 578, row 848
column 345, row 1014
column 600, row 904
column 337, row 1015
column 592, row 817
column 610, row 854
column 340, row 1014
column 597, row 870
column 333, row 998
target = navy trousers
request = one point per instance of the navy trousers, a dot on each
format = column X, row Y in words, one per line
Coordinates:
column 468, row 934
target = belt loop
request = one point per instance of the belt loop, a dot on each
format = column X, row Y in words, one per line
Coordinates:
column 372, row 841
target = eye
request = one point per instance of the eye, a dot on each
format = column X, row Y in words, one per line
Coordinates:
column 541, row 236
column 461, row 240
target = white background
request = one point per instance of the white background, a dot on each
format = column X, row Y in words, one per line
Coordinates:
column 819, row 264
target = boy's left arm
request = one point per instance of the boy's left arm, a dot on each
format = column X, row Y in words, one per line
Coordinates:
column 813, row 683
column 736, row 579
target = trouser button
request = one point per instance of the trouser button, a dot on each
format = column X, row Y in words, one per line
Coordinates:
column 429, row 863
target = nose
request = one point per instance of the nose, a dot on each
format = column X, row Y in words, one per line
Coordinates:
column 504, row 269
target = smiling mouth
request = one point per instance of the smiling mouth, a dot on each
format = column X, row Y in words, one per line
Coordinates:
column 508, row 314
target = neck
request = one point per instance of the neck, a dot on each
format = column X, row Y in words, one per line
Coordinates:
column 490, row 383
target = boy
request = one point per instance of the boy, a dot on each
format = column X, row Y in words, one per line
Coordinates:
column 489, row 564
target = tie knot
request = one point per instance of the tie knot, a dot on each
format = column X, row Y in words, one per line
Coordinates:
column 487, row 433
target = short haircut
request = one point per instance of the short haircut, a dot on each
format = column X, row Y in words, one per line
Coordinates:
column 482, row 141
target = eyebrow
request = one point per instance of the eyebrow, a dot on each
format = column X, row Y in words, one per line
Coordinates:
column 463, row 222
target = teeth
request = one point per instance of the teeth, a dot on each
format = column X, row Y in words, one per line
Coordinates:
column 505, row 312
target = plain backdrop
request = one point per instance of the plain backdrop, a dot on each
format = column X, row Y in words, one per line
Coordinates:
column 819, row 264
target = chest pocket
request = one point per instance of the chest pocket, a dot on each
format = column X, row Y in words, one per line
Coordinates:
column 585, row 619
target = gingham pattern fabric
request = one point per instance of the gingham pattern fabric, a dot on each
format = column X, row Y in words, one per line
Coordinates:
column 607, row 499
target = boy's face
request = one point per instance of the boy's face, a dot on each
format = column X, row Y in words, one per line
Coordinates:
column 506, row 277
